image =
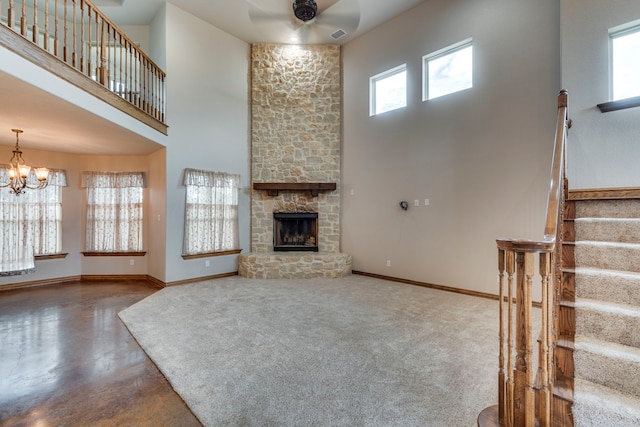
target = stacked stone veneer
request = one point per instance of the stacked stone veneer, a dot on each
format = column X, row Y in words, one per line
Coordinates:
column 296, row 98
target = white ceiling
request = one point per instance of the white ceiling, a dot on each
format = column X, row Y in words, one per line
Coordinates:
column 51, row 123
column 232, row 16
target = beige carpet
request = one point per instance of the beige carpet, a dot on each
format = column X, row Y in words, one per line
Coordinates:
column 354, row 351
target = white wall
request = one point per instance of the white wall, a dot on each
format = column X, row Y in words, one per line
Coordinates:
column 482, row 156
column 157, row 218
column 604, row 149
column 208, row 117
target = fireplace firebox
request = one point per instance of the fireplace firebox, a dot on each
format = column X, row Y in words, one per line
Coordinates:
column 295, row 231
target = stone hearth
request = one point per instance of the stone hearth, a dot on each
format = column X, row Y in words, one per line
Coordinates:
column 294, row 265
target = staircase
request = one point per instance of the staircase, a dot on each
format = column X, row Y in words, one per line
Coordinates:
column 606, row 347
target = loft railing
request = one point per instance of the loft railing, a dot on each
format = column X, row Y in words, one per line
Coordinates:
column 79, row 34
column 525, row 391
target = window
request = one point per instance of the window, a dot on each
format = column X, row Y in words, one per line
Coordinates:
column 114, row 211
column 388, row 90
column 211, row 212
column 625, row 62
column 448, row 70
column 32, row 219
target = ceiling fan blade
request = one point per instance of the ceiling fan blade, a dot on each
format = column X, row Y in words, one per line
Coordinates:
column 325, row 4
column 344, row 15
column 273, row 18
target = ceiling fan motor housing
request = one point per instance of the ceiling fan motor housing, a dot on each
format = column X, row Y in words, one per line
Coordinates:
column 305, row 10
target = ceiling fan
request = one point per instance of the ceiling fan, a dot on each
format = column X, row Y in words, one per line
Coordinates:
column 305, row 21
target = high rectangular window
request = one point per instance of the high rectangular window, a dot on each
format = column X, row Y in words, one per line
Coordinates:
column 447, row 70
column 625, row 62
column 388, row 90
column 114, row 211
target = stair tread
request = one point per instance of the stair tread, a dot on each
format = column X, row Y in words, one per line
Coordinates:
column 603, row 272
column 607, row 348
column 607, row 219
column 608, row 307
column 589, row 394
column 625, row 245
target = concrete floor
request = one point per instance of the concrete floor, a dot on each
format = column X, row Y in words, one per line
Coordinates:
column 67, row 359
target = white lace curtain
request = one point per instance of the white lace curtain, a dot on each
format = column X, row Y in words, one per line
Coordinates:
column 114, row 211
column 211, row 213
column 31, row 220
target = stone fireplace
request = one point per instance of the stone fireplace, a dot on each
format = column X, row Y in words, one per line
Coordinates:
column 295, row 158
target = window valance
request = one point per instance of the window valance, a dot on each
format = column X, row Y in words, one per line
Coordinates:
column 203, row 178
column 56, row 177
column 92, row 179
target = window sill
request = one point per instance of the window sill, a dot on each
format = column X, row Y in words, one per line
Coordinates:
column 621, row 104
column 212, row 254
column 114, row 253
column 50, row 256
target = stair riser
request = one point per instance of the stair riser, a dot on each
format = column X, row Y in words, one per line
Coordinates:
column 611, row 327
column 627, row 231
column 608, row 288
column 615, row 373
column 608, row 257
column 608, row 209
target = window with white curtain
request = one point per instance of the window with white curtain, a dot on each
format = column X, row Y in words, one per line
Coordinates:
column 32, row 219
column 114, row 220
column 211, row 213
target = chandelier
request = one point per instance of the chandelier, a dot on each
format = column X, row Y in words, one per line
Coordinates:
column 19, row 172
column 305, row 10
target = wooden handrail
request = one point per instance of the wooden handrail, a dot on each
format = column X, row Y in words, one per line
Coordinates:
column 554, row 202
column 525, row 392
column 84, row 38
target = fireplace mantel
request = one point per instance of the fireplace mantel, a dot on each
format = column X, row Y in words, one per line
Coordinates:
column 273, row 188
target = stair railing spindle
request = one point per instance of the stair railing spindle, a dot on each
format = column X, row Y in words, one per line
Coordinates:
column 544, row 362
column 56, row 38
column 510, row 267
column 501, row 367
column 65, row 46
column 23, row 19
column 10, row 14
column 46, row 25
column 34, row 28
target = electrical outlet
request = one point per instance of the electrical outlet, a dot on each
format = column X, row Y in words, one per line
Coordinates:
column 388, row 263
column 132, row 261
column 426, row 202
column 416, row 202
column 207, row 263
